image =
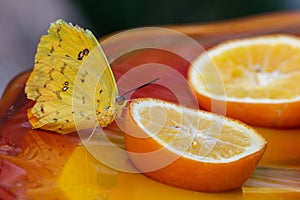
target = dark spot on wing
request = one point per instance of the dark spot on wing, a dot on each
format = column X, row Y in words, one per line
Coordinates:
column 83, row 76
column 86, row 52
column 42, row 108
column 65, row 87
column 51, row 49
column 82, row 53
column 58, row 30
column 107, row 108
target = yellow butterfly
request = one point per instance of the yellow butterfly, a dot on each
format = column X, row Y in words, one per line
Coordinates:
column 71, row 83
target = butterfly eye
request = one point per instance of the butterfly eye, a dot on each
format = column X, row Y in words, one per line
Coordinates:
column 120, row 100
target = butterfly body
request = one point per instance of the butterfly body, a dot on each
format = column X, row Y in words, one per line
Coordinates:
column 72, row 84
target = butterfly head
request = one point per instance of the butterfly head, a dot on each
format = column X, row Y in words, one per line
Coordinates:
column 121, row 101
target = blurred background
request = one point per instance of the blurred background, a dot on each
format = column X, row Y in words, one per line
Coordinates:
column 22, row 22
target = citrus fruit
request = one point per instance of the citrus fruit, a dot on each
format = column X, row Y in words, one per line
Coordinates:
column 189, row 148
column 256, row 78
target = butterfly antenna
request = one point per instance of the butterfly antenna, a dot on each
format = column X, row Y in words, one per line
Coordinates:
column 121, row 99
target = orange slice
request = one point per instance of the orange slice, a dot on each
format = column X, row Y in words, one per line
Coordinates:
column 188, row 148
column 258, row 78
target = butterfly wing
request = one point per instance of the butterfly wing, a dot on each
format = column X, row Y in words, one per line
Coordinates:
column 72, row 84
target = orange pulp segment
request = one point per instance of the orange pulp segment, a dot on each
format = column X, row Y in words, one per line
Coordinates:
column 188, row 148
column 257, row 78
